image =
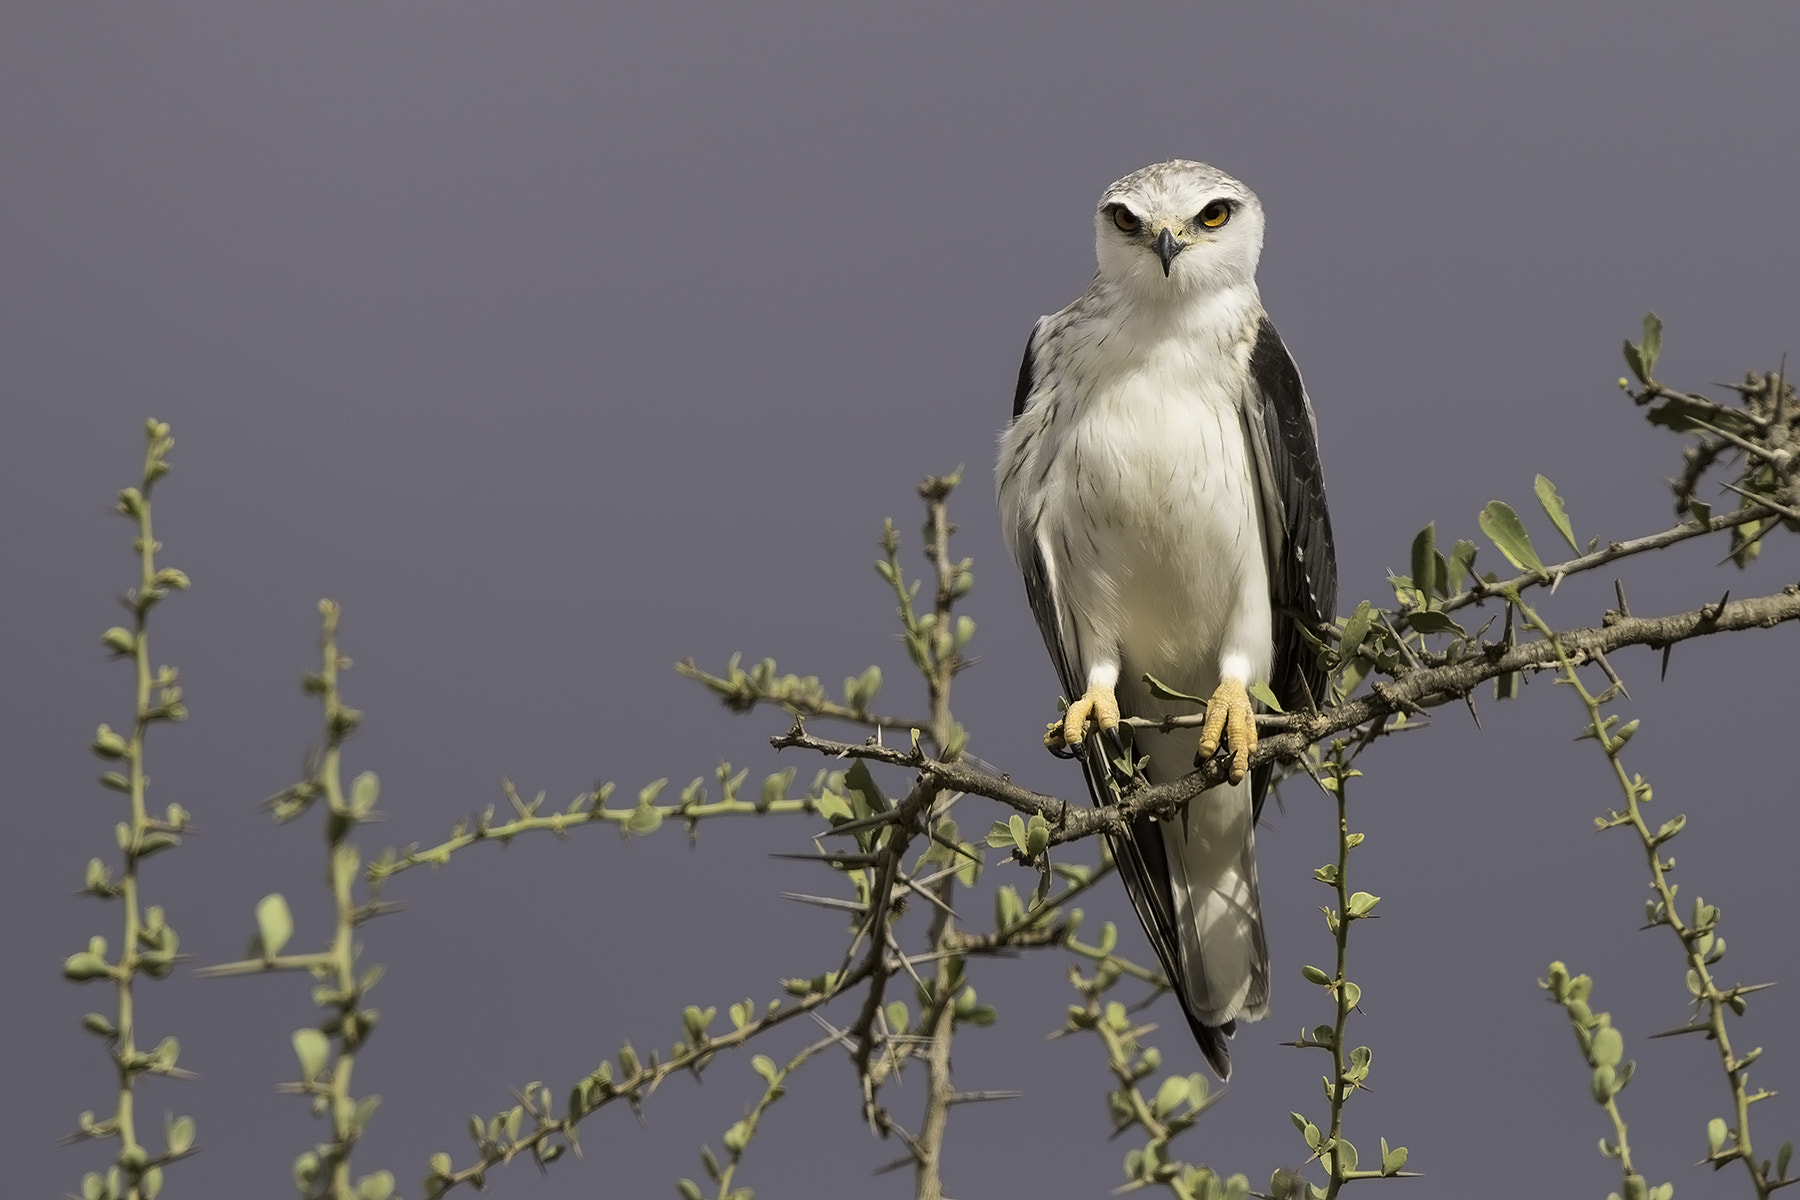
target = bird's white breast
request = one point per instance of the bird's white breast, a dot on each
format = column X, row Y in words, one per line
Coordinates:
column 1151, row 515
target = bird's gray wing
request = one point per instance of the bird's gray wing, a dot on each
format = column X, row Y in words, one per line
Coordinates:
column 1284, row 442
column 1141, row 856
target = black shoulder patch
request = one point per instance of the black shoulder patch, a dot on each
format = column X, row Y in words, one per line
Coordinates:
column 1027, row 377
column 1273, row 367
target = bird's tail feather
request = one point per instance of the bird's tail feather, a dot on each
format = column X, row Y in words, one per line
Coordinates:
column 1151, row 880
column 1224, row 952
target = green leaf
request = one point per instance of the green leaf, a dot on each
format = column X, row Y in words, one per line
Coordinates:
column 1008, row 910
column 364, row 791
column 765, row 1066
column 1424, row 563
column 1553, row 508
column 1434, row 622
column 1163, row 691
column 774, row 788
column 1173, row 1091
column 1715, row 1135
column 108, row 744
column 1675, row 415
column 688, row 1188
column 1356, row 629
column 378, row 1186
column 834, row 808
column 1650, row 349
column 1037, row 836
column 1361, row 903
column 1781, row 1159
column 311, row 1047
column 306, row 1169
column 1392, row 1160
column 1462, row 560
column 696, row 1020
column 274, row 923
column 644, row 819
column 84, row 966
column 1609, row 1047
column 1260, row 692
column 860, row 691
column 1315, row 975
column 1507, row 532
column 858, row 779
column 179, row 1135
column 1198, row 1089
column 1700, row 511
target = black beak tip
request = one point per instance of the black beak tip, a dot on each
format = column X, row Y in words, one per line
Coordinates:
column 1166, row 249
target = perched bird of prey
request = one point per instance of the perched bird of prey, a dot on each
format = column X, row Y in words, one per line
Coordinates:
column 1161, row 490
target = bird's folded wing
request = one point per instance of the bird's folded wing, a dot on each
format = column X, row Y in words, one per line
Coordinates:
column 1284, row 443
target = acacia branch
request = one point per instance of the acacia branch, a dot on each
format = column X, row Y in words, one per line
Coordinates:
column 1411, row 692
column 1613, row 552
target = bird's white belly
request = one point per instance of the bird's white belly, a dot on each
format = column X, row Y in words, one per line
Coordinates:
column 1163, row 529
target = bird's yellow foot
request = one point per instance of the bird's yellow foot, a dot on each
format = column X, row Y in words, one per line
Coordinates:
column 1228, row 713
column 1100, row 704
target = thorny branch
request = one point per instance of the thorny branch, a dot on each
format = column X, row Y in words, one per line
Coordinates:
column 1412, row 679
column 149, row 946
column 1700, row 945
column 1411, row 692
column 936, row 648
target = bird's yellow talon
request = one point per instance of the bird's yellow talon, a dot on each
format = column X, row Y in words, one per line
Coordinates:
column 1100, row 704
column 1229, row 714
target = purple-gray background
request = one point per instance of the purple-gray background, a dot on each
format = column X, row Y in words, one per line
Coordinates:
column 560, row 342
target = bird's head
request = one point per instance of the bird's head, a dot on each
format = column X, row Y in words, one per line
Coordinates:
column 1178, row 228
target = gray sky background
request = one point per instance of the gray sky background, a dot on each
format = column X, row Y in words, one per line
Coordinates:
column 561, row 342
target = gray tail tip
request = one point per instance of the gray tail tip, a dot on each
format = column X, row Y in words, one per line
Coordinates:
column 1212, row 1040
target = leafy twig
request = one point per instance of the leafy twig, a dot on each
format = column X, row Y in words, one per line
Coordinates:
column 1700, row 944
column 149, row 943
column 1348, row 1070
column 1604, row 1049
column 327, row 1052
column 641, row 818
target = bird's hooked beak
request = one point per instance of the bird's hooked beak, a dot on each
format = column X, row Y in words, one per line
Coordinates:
column 1167, row 247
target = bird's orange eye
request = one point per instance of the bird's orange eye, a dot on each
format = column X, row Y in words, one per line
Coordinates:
column 1215, row 214
column 1125, row 220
